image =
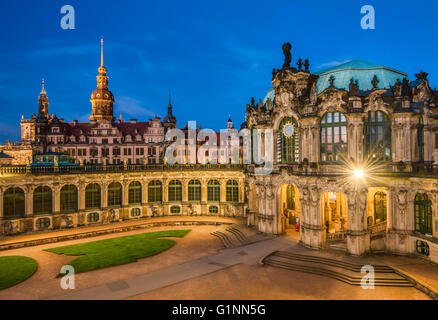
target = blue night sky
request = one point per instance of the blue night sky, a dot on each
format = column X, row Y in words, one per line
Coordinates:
column 212, row 55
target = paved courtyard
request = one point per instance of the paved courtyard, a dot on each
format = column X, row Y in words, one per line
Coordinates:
column 198, row 267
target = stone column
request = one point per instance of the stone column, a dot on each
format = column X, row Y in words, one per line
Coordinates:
column 56, row 198
column 358, row 237
column 1, row 203
column 81, row 196
column 309, row 139
column 144, row 191
column 104, row 195
column 261, row 199
column 223, row 190
column 312, row 229
column 355, row 136
column 28, row 200
column 401, row 138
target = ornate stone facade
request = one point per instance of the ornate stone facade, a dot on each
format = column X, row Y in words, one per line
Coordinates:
column 385, row 130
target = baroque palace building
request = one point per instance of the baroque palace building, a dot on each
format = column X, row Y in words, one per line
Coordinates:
column 101, row 139
column 355, row 165
column 356, row 158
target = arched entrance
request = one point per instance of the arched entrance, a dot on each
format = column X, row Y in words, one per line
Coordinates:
column 290, row 209
column 335, row 212
column 377, row 210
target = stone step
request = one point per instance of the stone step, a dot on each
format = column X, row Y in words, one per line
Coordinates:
column 331, row 262
column 346, row 272
column 337, row 275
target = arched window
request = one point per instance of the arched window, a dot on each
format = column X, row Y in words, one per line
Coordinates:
column 155, row 191
column 13, row 203
column 42, row 200
column 115, row 195
column 134, row 192
column 194, row 190
column 232, row 191
column 92, row 196
column 287, row 141
column 333, row 136
column 420, row 138
column 423, row 214
column 69, row 199
column 213, row 191
column 175, row 191
column 380, row 207
column 290, row 197
column 378, row 136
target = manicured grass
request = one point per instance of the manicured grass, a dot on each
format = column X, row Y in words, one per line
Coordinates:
column 116, row 251
column 15, row 269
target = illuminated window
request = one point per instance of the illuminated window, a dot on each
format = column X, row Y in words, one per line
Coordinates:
column 115, row 195
column 232, row 191
column 378, row 136
column 134, row 192
column 194, row 190
column 69, row 199
column 42, row 200
column 333, row 136
column 92, row 196
column 155, row 191
column 175, row 191
column 213, row 191
column 13, row 203
column 287, row 141
column 423, row 214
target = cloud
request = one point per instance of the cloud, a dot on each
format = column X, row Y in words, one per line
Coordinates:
column 132, row 107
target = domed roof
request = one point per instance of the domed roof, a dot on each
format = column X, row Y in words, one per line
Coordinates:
column 359, row 70
column 102, row 94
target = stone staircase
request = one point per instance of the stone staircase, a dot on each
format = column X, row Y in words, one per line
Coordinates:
column 340, row 270
column 237, row 235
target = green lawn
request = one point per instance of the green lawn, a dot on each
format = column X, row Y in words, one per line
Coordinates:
column 15, row 269
column 116, row 251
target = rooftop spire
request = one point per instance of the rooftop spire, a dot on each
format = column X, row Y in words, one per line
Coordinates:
column 43, row 91
column 101, row 51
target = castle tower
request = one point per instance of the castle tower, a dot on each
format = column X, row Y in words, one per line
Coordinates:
column 43, row 101
column 169, row 119
column 102, row 100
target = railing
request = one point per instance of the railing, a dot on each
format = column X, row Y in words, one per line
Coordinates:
column 377, row 228
column 71, row 169
column 337, row 236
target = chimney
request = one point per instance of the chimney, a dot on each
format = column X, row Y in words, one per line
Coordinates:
column 75, row 122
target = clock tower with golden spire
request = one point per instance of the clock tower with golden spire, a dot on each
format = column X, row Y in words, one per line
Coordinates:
column 102, row 100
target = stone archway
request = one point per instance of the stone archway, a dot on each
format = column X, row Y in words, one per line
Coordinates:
column 334, row 207
column 289, row 209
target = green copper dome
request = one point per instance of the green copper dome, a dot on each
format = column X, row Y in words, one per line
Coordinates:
column 359, row 70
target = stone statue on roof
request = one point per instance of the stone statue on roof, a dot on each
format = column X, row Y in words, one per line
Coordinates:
column 287, row 47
